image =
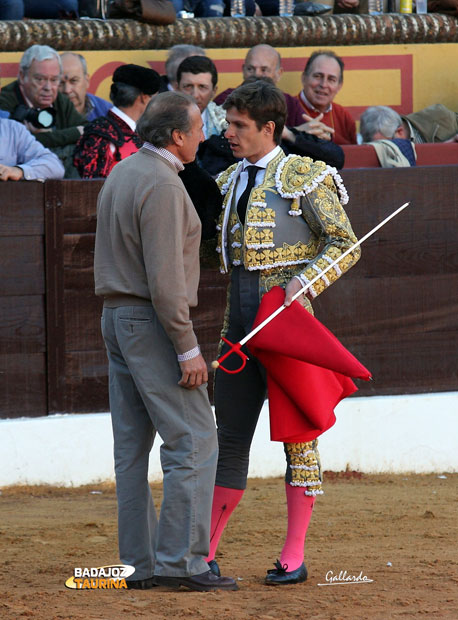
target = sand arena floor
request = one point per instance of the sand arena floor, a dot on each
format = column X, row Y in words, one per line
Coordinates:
column 400, row 531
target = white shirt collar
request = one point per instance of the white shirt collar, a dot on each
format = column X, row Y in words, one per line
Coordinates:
column 166, row 154
column 123, row 116
column 262, row 163
column 311, row 106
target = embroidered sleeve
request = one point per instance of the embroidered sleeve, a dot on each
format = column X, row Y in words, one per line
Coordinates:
column 326, row 217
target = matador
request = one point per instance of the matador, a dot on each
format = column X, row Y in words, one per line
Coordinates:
column 282, row 223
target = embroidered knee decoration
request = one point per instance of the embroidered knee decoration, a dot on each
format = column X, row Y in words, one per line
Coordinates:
column 304, row 466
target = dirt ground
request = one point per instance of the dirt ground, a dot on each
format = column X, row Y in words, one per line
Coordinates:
column 398, row 531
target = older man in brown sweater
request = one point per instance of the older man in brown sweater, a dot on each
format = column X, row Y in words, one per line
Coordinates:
column 147, row 270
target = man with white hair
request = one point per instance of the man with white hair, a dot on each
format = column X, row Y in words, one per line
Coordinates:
column 383, row 128
column 75, row 84
column 35, row 100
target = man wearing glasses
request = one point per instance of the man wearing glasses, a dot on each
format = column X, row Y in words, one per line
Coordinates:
column 34, row 99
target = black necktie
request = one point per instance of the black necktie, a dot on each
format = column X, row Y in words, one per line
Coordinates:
column 243, row 200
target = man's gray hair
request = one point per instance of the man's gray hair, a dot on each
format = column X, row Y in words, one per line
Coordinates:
column 165, row 113
column 38, row 53
column 80, row 58
column 379, row 119
column 177, row 54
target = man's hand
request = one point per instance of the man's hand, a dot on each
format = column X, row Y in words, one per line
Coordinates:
column 36, row 130
column 193, row 373
column 293, row 286
column 315, row 127
column 11, row 173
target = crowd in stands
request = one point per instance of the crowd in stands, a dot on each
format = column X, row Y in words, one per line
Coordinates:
column 55, row 124
column 165, row 11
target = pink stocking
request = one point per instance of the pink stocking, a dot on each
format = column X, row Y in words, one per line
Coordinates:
column 225, row 501
column 300, row 507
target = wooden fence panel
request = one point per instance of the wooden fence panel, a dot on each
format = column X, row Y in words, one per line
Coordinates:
column 22, row 290
column 396, row 309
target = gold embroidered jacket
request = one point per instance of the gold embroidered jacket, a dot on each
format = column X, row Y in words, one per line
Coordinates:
column 295, row 224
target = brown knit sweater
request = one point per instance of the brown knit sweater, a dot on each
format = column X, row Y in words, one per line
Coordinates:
column 147, row 243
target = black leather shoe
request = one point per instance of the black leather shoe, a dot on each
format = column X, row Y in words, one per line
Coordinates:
column 213, row 566
column 205, row 582
column 140, row 584
column 279, row 576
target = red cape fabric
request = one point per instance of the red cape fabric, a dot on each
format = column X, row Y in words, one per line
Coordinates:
column 308, row 370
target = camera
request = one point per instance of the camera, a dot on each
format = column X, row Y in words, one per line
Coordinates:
column 42, row 119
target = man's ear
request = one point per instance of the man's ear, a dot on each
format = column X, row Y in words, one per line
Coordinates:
column 269, row 128
column 400, row 132
column 177, row 137
column 21, row 76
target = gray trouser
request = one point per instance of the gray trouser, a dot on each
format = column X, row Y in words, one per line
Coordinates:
column 145, row 398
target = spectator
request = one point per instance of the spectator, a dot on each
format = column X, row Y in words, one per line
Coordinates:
column 433, row 124
column 52, row 9
column 74, row 84
column 23, row 157
column 322, row 79
column 177, row 54
column 264, row 61
column 37, row 90
column 113, row 137
column 382, row 127
column 215, row 155
column 197, row 76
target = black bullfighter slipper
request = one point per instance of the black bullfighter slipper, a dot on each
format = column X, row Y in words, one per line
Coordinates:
column 279, row 576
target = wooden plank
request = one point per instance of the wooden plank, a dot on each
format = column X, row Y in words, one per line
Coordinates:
column 80, row 204
column 82, row 321
column 376, row 308
column 22, row 385
column 429, row 189
column 79, row 261
column 86, row 382
column 54, row 218
column 21, row 209
column 22, row 266
column 22, row 325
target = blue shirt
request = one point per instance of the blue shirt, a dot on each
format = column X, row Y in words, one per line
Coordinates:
column 406, row 148
column 18, row 147
column 99, row 107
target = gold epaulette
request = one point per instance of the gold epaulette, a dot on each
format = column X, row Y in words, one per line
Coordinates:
column 298, row 176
